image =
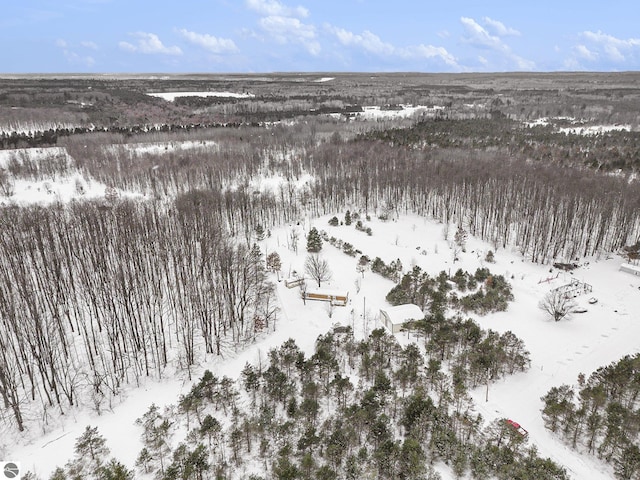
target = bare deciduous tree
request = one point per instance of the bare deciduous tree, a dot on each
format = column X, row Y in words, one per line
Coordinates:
column 317, row 268
column 557, row 305
column 293, row 239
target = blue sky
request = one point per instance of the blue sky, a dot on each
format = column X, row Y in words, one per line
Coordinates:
column 51, row 36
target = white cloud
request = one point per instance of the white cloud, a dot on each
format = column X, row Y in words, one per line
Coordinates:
column 88, row 44
column 523, row 63
column 72, row 57
column 273, row 8
column 149, row 43
column 209, row 42
column 499, row 28
column 429, row 52
column 76, row 59
column 370, row 42
column 615, row 49
column 573, row 65
column 291, row 30
column 583, row 52
column 480, row 37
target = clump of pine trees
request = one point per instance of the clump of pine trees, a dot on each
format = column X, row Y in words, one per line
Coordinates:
column 351, row 409
column 488, row 293
column 601, row 414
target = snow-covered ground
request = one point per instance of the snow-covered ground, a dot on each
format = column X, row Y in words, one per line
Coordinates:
column 171, row 96
column 160, row 148
column 277, row 184
column 405, row 111
column 33, row 155
column 62, row 189
column 73, row 185
column 577, row 127
column 595, row 129
column 559, row 350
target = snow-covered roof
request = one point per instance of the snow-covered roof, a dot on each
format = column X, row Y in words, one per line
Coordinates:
column 327, row 291
column 403, row 313
column 630, row 267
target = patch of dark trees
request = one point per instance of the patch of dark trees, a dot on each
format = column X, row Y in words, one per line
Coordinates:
column 49, row 138
column 607, row 152
column 600, row 415
column 488, row 293
column 349, row 410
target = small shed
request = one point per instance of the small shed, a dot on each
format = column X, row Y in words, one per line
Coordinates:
column 394, row 318
column 630, row 268
column 336, row 297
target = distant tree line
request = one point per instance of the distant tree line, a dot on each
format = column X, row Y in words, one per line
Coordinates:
column 607, row 151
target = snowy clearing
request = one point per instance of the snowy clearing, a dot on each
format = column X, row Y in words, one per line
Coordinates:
column 595, row 129
column 61, row 189
column 559, row 350
column 276, row 184
column 171, row 96
column 73, row 185
column 37, row 155
column 160, row 148
column 579, row 128
column 402, row 111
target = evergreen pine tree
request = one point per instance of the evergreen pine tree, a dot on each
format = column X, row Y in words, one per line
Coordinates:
column 314, row 241
column 260, row 233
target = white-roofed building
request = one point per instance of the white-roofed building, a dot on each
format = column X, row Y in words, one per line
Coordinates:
column 393, row 318
column 630, row 268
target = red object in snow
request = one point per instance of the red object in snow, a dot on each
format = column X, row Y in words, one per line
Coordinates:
column 518, row 428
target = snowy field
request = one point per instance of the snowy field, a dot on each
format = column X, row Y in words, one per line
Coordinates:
column 595, row 129
column 63, row 189
column 171, row 96
column 405, row 111
column 559, row 350
column 577, row 127
column 160, row 148
column 33, row 155
column 73, row 185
